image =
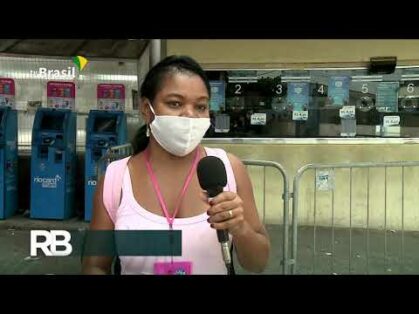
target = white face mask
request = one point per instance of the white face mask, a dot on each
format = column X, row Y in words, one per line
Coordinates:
column 178, row 135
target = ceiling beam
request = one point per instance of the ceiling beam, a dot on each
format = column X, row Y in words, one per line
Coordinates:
column 144, row 43
column 79, row 47
column 12, row 45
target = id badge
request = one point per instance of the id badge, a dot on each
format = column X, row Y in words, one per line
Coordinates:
column 173, row 268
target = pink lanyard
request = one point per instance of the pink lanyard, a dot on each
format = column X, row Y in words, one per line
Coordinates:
column 153, row 178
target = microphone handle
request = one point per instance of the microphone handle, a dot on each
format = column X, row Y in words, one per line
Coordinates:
column 221, row 234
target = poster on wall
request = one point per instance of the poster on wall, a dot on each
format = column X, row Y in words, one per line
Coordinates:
column 61, row 95
column 387, row 96
column 222, row 123
column 347, row 112
column 258, row 119
column 391, row 126
column 111, row 97
column 298, row 99
column 325, row 180
column 218, row 91
column 338, row 91
column 7, row 93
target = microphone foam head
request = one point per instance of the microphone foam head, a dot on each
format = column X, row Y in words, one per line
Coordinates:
column 211, row 173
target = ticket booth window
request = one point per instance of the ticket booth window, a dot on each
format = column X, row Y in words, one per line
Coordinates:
column 316, row 103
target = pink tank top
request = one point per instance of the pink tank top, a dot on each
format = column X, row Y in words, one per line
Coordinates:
column 199, row 241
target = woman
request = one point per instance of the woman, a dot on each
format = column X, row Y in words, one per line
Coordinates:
column 175, row 106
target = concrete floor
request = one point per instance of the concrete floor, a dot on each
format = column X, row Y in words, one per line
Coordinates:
column 357, row 251
column 14, row 250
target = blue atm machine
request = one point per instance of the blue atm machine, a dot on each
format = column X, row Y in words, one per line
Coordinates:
column 8, row 162
column 53, row 164
column 104, row 129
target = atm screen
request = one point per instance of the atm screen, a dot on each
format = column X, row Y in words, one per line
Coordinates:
column 1, row 115
column 107, row 125
column 53, row 123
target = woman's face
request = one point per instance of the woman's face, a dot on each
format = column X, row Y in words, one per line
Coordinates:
column 181, row 94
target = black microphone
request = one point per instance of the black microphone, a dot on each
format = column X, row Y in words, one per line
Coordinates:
column 212, row 177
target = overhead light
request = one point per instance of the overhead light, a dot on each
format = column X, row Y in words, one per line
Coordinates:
column 382, row 65
column 242, row 79
column 286, row 79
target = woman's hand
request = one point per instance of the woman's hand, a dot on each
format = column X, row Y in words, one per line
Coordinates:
column 226, row 213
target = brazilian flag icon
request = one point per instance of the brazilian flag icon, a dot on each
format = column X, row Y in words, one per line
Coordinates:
column 80, row 62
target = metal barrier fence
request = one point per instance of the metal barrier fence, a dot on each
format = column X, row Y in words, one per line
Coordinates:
column 285, row 197
column 368, row 237
column 345, row 235
column 113, row 153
